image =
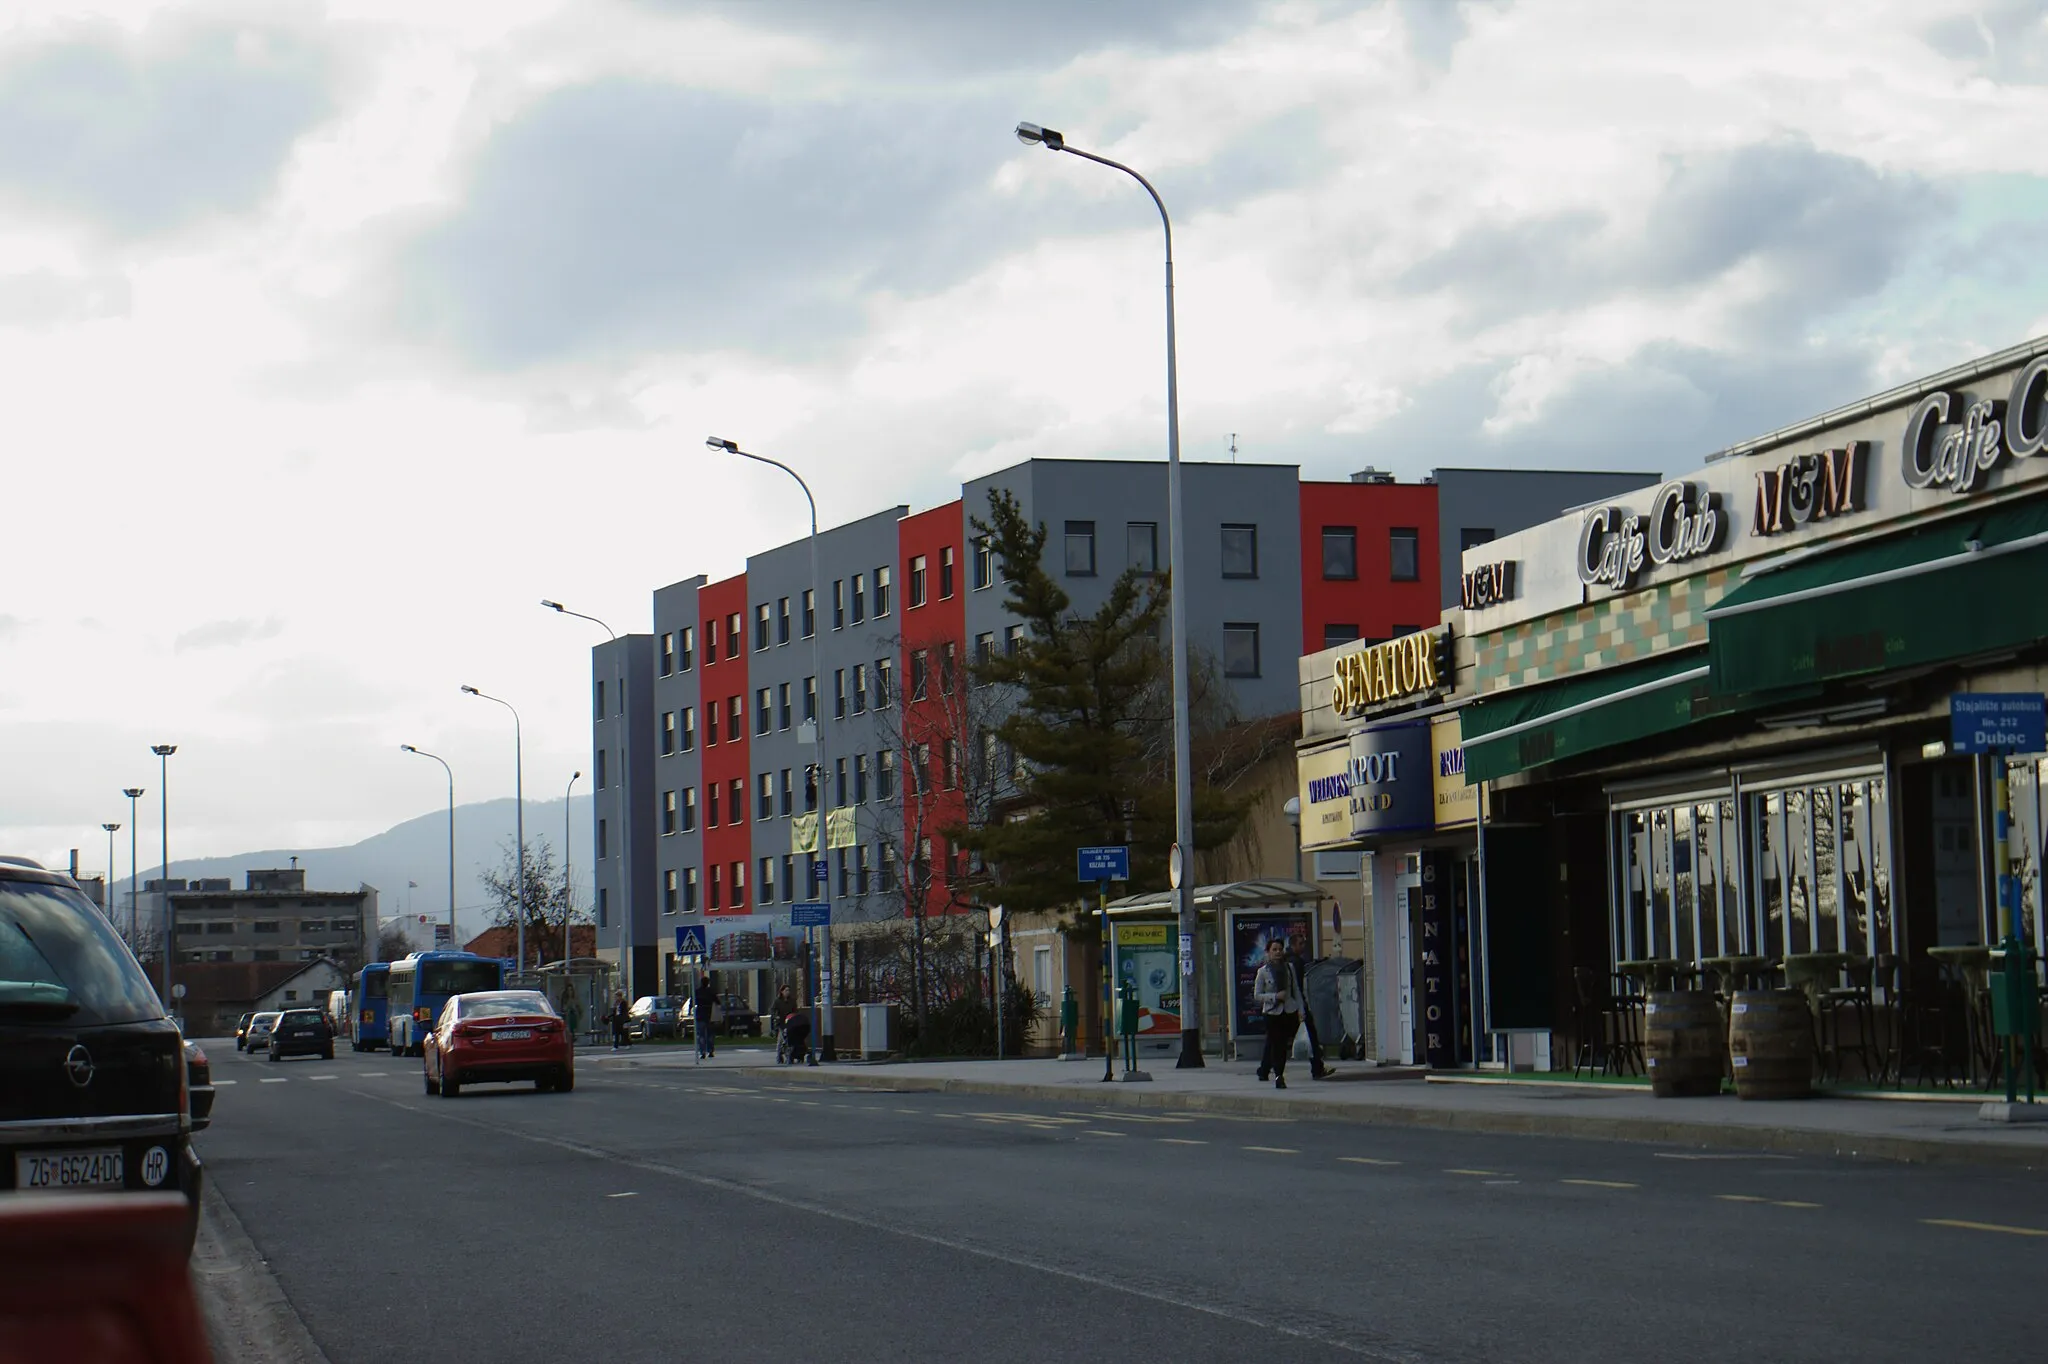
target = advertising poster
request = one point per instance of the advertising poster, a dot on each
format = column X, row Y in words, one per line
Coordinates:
column 744, row 942
column 1145, row 958
column 1249, row 934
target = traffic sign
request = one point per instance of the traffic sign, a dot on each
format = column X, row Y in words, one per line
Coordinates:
column 690, row 941
column 1998, row 722
column 810, row 914
column 1103, row 864
column 1174, row 866
column 820, row 870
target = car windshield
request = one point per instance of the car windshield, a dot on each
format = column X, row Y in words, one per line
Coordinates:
column 301, row 1018
column 506, row 1006
column 60, row 960
column 262, row 1020
column 457, row 977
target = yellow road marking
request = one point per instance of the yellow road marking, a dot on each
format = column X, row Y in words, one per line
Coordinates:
column 1599, row 1183
column 1275, row 1150
column 1367, row 1160
column 1962, row 1225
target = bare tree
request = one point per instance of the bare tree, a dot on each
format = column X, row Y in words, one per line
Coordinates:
column 550, row 910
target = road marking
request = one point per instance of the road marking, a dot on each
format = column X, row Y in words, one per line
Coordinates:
column 322, row 1077
column 1103, row 1132
column 1478, row 1174
column 1717, row 1155
column 913, row 1112
column 1182, row 1141
column 628, row 1194
column 1741, row 1198
column 371, row 1075
column 227, row 1082
column 1791, row 1203
column 1275, row 1150
column 1962, row 1225
column 1600, row 1183
column 1367, row 1160
column 1121, row 1117
column 275, row 1080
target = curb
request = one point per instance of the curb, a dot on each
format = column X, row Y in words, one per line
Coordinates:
column 1653, row 1131
column 248, row 1317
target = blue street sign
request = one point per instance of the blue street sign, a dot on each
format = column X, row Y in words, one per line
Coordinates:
column 690, row 941
column 1998, row 722
column 820, row 869
column 1103, row 864
column 810, row 914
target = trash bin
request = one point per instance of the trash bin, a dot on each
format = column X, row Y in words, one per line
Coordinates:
column 877, row 1031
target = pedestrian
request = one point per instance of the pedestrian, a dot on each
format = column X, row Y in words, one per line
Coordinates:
column 796, row 1031
column 778, row 1021
column 571, row 1013
column 618, row 1019
column 707, row 1017
column 1297, row 957
column 1277, row 990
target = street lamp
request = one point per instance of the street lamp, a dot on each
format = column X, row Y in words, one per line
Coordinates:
column 623, row 806
column 408, row 748
column 134, row 793
column 163, row 801
column 107, row 895
column 1030, row 134
column 568, row 883
column 518, row 815
column 1292, row 809
column 824, row 1029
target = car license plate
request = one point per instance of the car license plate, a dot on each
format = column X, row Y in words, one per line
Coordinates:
column 68, row 1170
column 514, row 1034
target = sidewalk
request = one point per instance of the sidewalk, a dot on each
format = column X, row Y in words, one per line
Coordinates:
column 1918, row 1127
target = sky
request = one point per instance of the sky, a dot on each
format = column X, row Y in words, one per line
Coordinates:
column 334, row 337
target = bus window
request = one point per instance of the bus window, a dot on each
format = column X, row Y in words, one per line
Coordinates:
column 458, row 977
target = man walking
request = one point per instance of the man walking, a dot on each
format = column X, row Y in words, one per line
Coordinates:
column 705, row 1009
column 618, row 1019
column 1297, row 957
column 1277, row 991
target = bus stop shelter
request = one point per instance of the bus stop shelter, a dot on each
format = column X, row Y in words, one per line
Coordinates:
column 582, row 985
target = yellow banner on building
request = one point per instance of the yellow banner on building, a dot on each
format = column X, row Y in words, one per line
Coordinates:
column 839, row 829
column 1325, row 797
column 803, row 833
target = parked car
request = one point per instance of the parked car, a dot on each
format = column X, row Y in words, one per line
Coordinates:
column 302, row 1032
column 655, row 1016
column 242, row 1031
column 259, row 1030
column 95, row 1091
column 736, row 1018
column 199, row 1079
column 498, row 1037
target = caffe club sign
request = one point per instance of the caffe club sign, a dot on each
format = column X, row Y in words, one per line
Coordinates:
column 1685, row 522
column 1950, row 443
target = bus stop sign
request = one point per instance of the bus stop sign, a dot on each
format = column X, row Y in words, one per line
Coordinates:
column 1103, row 864
column 1998, row 722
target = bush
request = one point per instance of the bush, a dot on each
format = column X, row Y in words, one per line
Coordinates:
column 967, row 1026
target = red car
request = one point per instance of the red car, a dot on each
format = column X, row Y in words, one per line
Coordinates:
column 495, row 1037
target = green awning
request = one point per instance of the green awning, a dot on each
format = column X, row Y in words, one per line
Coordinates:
column 1535, row 725
column 1969, row 585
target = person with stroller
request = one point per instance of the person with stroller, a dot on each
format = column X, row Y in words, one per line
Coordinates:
column 778, row 1019
column 796, row 1035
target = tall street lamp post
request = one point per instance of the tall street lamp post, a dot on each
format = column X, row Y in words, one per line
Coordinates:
column 1182, row 861
column 624, row 804
column 107, row 893
column 568, row 882
column 134, row 793
column 408, row 748
column 518, row 815
column 824, row 892
column 163, row 801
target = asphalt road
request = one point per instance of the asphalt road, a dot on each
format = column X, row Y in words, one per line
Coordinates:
column 661, row 1215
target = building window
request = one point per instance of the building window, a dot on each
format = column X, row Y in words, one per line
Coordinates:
column 915, row 582
column 766, row 886
column 1013, row 639
column 860, row 597
column 739, row 885
column 949, row 666
column 689, row 890
column 603, row 841
column 733, row 637
column 788, row 877
column 782, row 706
column 984, row 647
column 1080, row 549
column 735, row 718
column 761, row 627
column 945, row 572
column 600, row 769
column 689, row 812
column 1240, row 649
column 788, row 793
column 885, row 860
column 668, row 812
column 764, row 796
column 764, row 710
column 670, row 891
column 597, row 699
column 668, row 732
column 710, row 640
column 264, row 954
column 984, row 563
column 920, row 769
column 1472, row 537
column 885, row 774
column 782, row 620
column 839, row 693
column 810, row 698
column 603, row 907
column 881, row 593
column 668, row 653
column 810, row 613
column 810, row 787
column 1404, row 548
column 842, row 873
column 860, row 779
column 860, row 869
column 988, row 760
column 1141, row 539
column 860, row 688
column 839, row 781
column 736, row 802
column 839, row 603
column 711, row 804
column 686, row 649
column 713, row 902
column 920, row 674
column 884, row 672
column 1335, row 634
column 1240, row 551
column 1340, row 553
column 952, row 764
column 264, row 926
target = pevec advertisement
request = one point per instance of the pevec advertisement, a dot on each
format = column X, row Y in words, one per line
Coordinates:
column 1145, row 958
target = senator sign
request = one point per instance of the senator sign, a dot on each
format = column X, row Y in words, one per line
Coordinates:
column 1405, row 666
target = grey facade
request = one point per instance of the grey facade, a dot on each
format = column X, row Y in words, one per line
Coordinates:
column 623, row 798
column 274, row 918
column 678, row 769
column 1477, row 505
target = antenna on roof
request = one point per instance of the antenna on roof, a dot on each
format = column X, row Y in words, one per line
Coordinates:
column 1233, row 447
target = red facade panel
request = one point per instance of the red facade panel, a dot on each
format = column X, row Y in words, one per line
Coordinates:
column 726, row 745
column 932, row 547
column 1382, row 524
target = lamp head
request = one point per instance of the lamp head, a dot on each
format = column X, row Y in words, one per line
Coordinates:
column 575, row 776
column 163, row 750
column 1030, row 134
column 470, row 691
column 550, row 605
column 132, row 792
column 731, row 447
column 407, row 748
column 110, row 828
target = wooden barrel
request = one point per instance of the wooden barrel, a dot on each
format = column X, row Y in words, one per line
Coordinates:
column 1770, row 1044
column 1684, row 1043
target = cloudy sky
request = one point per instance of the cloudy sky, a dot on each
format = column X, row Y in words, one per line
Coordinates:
column 334, row 336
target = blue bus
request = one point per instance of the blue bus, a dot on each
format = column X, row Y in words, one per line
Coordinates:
column 369, row 1029
column 420, row 984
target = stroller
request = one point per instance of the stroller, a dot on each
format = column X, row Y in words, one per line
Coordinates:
column 793, row 1040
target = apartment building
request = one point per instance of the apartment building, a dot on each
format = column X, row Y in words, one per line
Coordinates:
column 273, row 918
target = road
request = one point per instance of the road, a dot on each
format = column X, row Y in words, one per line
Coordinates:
column 657, row 1215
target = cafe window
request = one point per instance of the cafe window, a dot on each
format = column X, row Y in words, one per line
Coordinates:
column 1080, row 549
column 1340, row 553
column 1240, row 649
column 1240, row 551
column 1404, row 553
column 1141, row 539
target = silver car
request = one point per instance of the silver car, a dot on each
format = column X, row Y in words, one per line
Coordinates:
column 260, row 1028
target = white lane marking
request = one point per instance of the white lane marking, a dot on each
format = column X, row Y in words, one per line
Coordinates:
column 1598, row 1183
column 323, row 1077
column 275, row 1080
column 1366, row 1160
column 1345, row 1342
column 371, row 1075
column 1102, row 1132
column 227, row 1082
column 1275, row 1150
column 1182, row 1141
column 634, row 1193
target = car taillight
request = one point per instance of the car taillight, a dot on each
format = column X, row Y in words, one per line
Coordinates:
column 366, row 1015
column 184, row 1091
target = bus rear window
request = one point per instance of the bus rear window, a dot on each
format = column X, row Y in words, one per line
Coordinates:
column 373, row 986
column 457, row 977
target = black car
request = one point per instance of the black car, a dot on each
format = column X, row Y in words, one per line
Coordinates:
column 301, row 1032
column 94, row 1090
column 199, row 1081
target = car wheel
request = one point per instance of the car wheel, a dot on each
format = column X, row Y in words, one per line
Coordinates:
column 449, row 1087
column 276, row 1055
column 432, row 1088
column 327, row 1052
column 565, row 1082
